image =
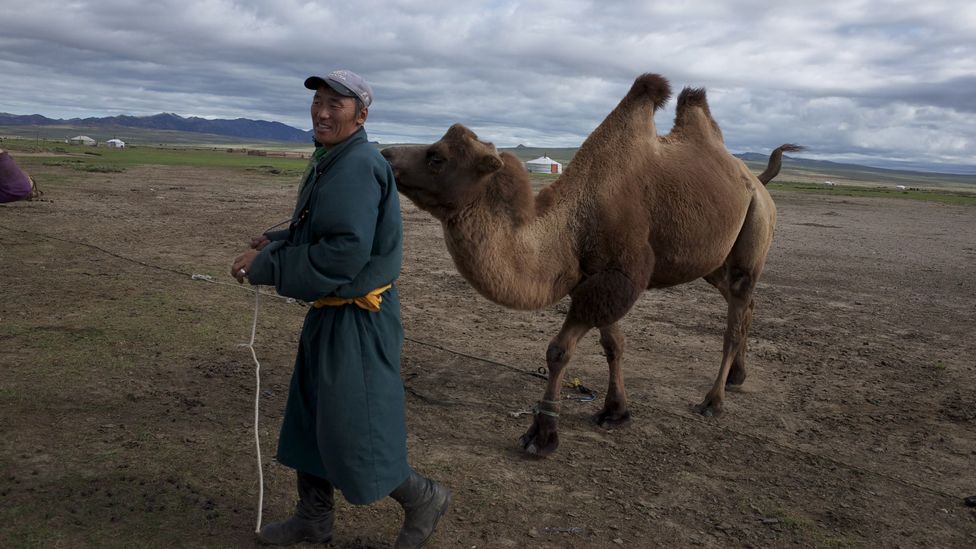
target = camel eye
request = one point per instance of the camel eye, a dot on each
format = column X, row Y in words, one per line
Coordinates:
column 434, row 160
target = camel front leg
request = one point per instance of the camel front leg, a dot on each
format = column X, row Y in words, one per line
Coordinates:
column 615, row 412
column 542, row 437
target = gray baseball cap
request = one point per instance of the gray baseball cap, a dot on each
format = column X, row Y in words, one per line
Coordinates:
column 344, row 82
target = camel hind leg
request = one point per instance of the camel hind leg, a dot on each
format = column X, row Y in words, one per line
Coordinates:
column 737, row 372
column 737, row 280
column 614, row 412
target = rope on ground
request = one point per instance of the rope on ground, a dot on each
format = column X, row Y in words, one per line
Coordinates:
column 93, row 246
column 685, row 417
column 192, row 276
column 702, row 421
column 474, row 357
column 250, row 345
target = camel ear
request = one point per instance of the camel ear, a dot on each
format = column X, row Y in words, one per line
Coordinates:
column 489, row 163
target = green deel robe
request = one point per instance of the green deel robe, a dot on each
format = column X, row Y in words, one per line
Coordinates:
column 345, row 419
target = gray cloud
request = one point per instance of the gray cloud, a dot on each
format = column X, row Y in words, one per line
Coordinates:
column 873, row 81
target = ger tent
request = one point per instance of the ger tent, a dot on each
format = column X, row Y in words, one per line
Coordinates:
column 543, row 164
column 81, row 140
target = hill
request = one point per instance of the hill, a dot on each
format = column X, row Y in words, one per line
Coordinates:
column 239, row 128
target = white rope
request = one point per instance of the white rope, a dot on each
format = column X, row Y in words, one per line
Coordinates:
column 257, row 382
column 211, row 280
column 257, row 398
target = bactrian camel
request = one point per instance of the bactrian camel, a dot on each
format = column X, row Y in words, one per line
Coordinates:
column 633, row 211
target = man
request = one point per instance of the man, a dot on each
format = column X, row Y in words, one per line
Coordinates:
column 344, row 424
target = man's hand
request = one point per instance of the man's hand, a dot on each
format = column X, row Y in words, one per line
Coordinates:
column 259, row 242
column 242, row 265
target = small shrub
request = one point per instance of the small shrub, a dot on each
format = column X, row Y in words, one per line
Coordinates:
column 101, row 168
column 62, row 162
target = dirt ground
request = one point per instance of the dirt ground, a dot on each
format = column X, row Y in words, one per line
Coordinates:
column 127, row 401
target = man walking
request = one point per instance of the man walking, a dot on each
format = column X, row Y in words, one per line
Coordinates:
column 344, row 424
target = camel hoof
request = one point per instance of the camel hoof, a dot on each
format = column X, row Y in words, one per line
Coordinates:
column 608, row 420
column 533, row 447
column 708, row 410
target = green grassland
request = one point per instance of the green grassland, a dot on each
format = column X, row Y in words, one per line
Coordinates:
column 928, row 187
column 137, row 136
column 104, row 159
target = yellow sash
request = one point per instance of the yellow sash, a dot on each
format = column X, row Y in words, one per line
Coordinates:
column 370, row 301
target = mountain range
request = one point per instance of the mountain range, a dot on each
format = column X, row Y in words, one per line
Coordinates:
column 242, row 128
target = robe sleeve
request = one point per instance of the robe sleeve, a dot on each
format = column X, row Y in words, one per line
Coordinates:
column 274, row 236
column 344, row 218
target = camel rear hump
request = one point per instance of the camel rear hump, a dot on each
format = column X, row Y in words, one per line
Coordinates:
column 693, row 119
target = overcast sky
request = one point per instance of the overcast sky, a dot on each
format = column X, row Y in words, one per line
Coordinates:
column 864, row 81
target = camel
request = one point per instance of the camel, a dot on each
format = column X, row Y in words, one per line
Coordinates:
column 633, row 211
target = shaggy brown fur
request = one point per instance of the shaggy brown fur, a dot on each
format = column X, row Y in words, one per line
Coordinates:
column 633, row 211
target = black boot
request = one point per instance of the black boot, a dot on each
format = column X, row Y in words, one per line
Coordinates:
column 313, row 518
column 424, row 502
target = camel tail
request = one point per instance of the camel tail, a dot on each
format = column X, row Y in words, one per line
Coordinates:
column 652, row 86
column 776, row 161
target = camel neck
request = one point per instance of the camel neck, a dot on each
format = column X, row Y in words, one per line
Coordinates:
column 521, row 265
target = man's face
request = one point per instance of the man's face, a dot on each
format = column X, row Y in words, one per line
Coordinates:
column 334, row 116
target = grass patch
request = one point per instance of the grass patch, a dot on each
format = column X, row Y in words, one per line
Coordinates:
column 959, row 198
column 101, row 168
column 70, row 162
column 118, row 509
column 275, row 170
column 838, row 543
column 774, row 515
column 116, row 160
column 795, row 522
column 80, row 165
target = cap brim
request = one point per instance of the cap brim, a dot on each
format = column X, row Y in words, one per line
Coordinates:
column 316, row 82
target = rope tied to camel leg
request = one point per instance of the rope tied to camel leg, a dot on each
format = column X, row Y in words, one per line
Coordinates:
column 547, row 408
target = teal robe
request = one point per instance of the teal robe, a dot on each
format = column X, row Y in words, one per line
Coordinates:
column 345, row 419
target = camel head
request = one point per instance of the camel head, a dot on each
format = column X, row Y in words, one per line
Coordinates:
column 444, row 177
